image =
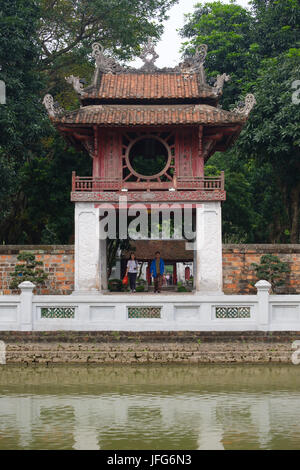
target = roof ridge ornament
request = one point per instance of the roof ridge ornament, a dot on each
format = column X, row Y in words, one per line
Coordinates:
column 97, row 53
column 195, row 64
column 245, row 110
column 77, row 85
column 149, row 62
column 221, row 79
column 199, row 59
column 53, row 108
column 201, row 53
column 104, row 63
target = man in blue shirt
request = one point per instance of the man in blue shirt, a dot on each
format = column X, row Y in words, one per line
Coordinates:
column 157, row 269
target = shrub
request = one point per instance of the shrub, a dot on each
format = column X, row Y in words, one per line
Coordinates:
column 272, row 269
column 140, row 288
column 182, row 289
column 115, row 285
column 28, row 271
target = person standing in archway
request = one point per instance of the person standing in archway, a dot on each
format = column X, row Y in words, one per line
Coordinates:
column 132, row 269
column 157, row 270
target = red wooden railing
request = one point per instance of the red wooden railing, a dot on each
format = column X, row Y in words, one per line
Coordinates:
column 204, row 184
column 90, row 184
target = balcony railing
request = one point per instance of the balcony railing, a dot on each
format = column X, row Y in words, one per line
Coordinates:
column 202, row 184
column 91, row 184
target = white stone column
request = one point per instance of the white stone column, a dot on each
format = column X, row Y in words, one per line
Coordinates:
column 211, row 432
column 89, row 252
column 209, row 278
column 26, row 316
column 2, row 353
column 103, row 266
column 195, row 268
column 263, row 289
column 260, row 414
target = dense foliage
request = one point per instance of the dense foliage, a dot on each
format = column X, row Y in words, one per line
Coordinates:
column 259, row 49
column 42, row 41
column 272, row 269
column 27, row 270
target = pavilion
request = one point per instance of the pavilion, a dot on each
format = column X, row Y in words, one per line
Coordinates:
column 149, row 133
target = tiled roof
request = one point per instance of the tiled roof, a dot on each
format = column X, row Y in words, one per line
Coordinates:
column 133, row 115
column 149, row 86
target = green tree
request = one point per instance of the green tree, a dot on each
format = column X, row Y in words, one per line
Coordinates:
column 238, row 212
column 272, row 269
column 259, row 50
column 49, row 214
column 275, row 26
column 272, row 134
column 238, row 39
column 28, row 270
column 121, row 25
column 22, row 118
column 67, row 30
column 226, row 31
column 41, row 42
column 269, row 223
column 254, row 211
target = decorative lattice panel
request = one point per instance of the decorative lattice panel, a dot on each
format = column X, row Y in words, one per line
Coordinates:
column 58, row 312
column 144, row 312
column 233, row 312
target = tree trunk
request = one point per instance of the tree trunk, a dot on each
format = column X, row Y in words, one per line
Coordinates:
column 281, row 220
column 295, row 213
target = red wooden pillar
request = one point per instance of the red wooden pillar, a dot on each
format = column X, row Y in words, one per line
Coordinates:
column 187, row 273
column 174, row 274
column 73, row 180
column 148, row 276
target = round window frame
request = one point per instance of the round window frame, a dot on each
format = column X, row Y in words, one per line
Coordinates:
column 148, row 177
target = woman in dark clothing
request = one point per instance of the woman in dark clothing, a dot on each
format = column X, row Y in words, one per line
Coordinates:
column 131, row 271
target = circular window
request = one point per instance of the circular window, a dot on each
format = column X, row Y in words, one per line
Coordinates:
column 148, row 157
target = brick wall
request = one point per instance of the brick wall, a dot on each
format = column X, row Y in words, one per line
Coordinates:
column 59, row 264
column 238, row 274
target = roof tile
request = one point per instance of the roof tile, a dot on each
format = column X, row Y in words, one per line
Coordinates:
column 149, row 86
column 122, row 115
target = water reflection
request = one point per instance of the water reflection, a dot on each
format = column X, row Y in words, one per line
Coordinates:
column 167, row 407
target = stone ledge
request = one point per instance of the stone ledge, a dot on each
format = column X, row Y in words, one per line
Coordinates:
column 48, row 249
column 66, row 353
column 227, row 248
column 261, row 248
column 136, row 337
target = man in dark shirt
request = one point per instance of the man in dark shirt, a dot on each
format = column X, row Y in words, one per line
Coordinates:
column 157, row 270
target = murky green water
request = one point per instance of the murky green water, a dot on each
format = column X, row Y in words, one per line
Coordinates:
column 165, row 407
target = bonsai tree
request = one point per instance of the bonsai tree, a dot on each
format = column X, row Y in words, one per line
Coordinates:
column 272, row 269
column 28, row 271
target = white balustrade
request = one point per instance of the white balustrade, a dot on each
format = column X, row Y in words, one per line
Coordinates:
column 140, row 312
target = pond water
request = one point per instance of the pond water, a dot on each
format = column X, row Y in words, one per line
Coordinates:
column 154, row 407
